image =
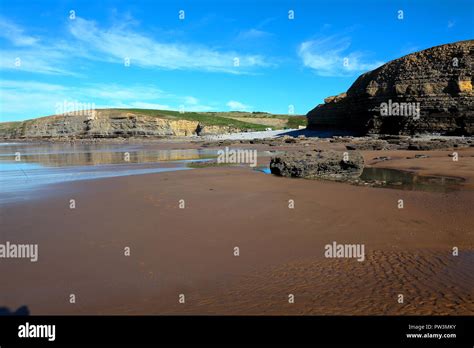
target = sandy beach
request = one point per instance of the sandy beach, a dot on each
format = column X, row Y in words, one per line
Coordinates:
column 191, row 251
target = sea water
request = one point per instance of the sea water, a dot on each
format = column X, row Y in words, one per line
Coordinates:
column 28, row 169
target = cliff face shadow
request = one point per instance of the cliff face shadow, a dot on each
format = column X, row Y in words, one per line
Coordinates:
column 23, row 310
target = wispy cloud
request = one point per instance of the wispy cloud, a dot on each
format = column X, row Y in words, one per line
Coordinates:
column 22, row 97
column 142, row 105
column 41, row 60
column 15, row 34
column 330, row 56
column 191, row 100
column 252, row 34
column 191, row 103
column 118, row 43
column 30, row 54
column 114, row 44
column 238, row 106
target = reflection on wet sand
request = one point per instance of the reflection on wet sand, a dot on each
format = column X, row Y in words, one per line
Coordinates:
column 404, row 180
column 27, row 169
column 54, row 155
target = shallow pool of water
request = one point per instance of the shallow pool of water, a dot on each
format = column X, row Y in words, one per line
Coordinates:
column 403, row 180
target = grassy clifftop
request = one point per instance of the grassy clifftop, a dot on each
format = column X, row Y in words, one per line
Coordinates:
column 236, row 119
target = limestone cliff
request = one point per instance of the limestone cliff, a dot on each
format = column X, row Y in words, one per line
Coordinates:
column 424, row 92
column 107, row 124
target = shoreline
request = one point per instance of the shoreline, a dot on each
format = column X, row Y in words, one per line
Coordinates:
column 236, row 136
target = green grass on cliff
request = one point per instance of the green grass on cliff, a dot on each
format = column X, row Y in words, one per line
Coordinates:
column 224, row 118
column 9, row 125
column 292, row 121
column 194, row 116
column 207, row 120
column 296, row 121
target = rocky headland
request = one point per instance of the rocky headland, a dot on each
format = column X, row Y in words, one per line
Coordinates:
column 101, row 124
column 395, row 107
column 424, row 92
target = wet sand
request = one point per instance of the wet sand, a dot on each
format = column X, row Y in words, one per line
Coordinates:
column 190, row 251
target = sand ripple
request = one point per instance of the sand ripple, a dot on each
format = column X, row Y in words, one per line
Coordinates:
column 432, row 283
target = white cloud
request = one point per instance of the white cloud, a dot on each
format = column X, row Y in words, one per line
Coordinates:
column 22, row 97
column 37, row 60
column 330, row 57
column 252, row 34
column 191, row 100
column 200, row 108
column 237, row 106
column 142, row 105
column 30, row 86
column 117, row 43
column 192, row 105
column 113, row 45
column 28, row 53
column 15, row 34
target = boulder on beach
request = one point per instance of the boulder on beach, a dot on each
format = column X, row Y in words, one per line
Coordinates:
column 327, row 164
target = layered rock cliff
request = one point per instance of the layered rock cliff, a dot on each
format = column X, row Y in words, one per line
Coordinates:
column 107, row 124
column 430, row 91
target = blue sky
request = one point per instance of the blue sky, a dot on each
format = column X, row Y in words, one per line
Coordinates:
column 224, row 55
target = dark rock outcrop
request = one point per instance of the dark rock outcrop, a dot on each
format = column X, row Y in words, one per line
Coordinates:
column 327, row 164
column 417, row 144
column 424, row 92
